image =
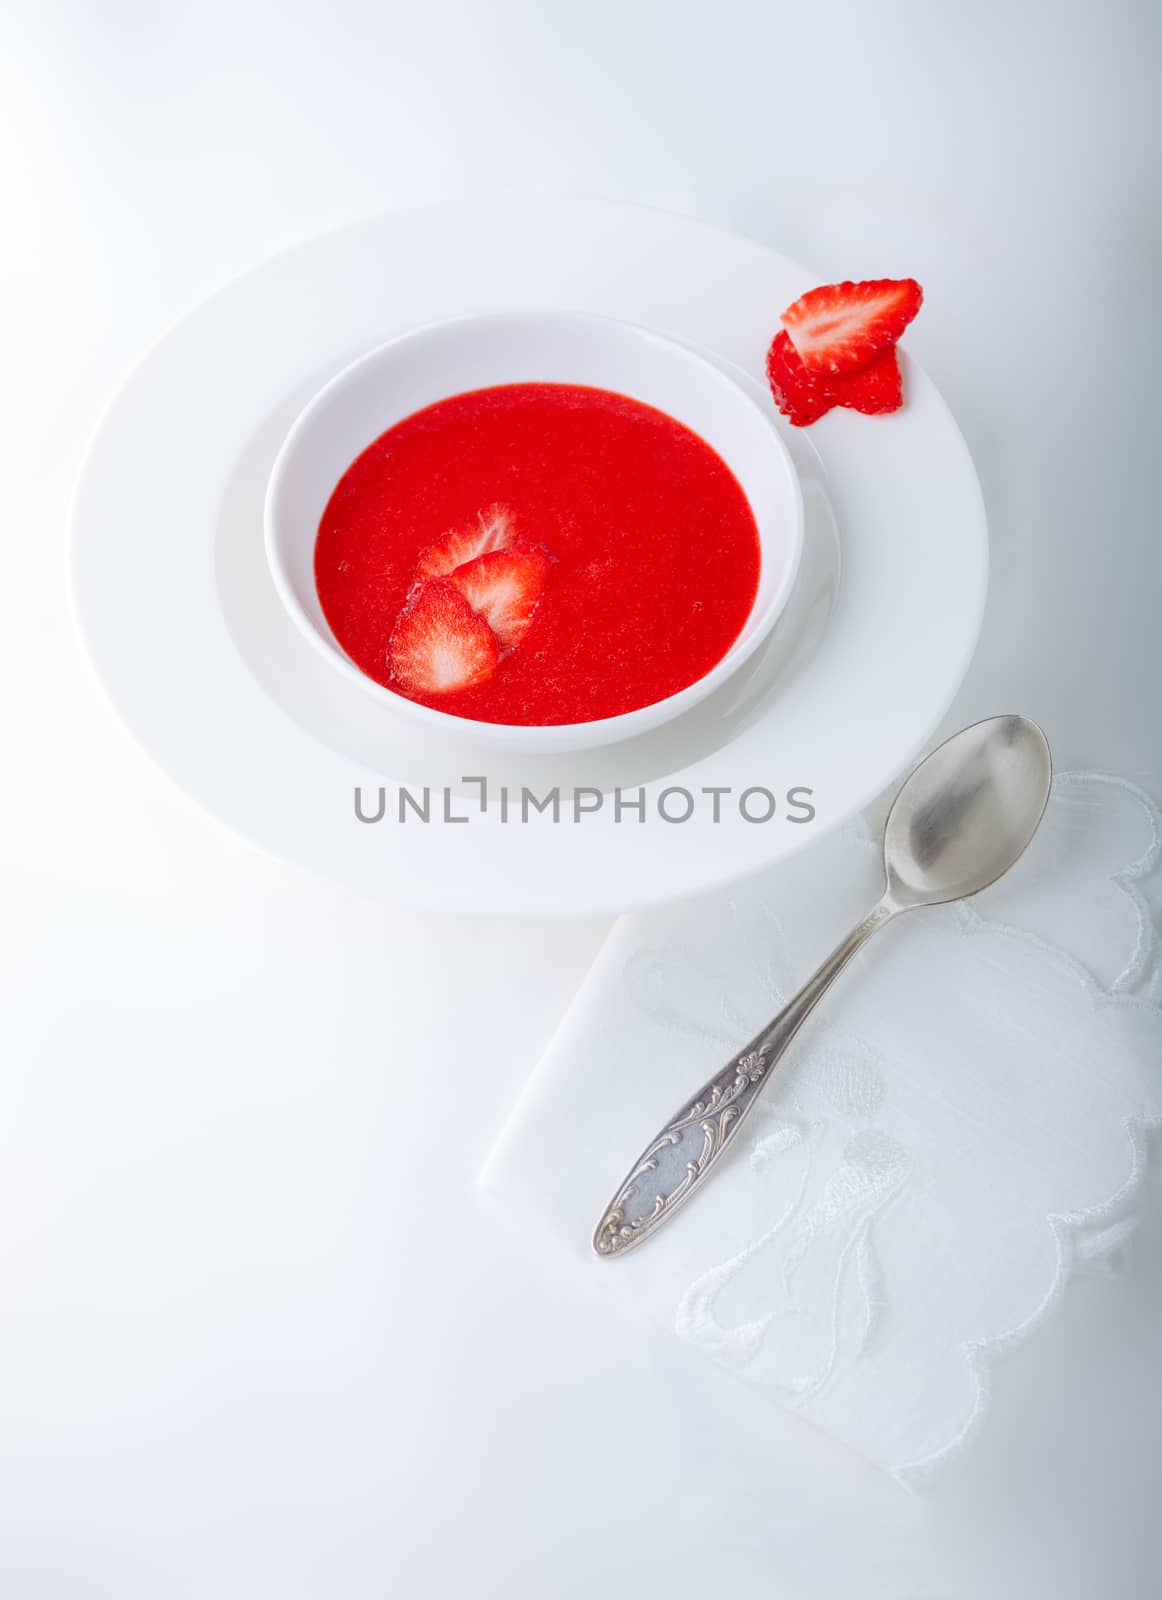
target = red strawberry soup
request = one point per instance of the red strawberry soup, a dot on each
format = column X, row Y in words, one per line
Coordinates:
column 537, row 553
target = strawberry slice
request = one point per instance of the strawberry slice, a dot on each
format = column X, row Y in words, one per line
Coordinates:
column 439, row 643
column 505, row 587
column 799, row 399
column 876, row 387
column 491, row 529
column 842, row 326
column 803, row 398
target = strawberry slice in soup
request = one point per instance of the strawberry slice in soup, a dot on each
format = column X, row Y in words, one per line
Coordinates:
column 491, row 529
column 439, row 643
column 505, row 587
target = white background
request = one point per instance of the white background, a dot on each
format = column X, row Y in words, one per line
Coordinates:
column 255, row 1336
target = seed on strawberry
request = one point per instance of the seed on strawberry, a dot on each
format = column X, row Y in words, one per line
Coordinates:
column 505, row 587
column 439, row 643
column 840, row 327
column 490, row 529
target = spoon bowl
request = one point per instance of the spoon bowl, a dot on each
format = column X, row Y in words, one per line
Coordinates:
column 967, row 812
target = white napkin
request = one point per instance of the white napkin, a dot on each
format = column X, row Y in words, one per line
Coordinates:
column 960, row 1126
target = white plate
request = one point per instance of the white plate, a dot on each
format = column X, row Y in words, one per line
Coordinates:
column 190, row 639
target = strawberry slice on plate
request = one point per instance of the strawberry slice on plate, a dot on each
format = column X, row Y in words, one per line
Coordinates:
column 439, row 643
column 876, row 387
column 803, row 398
column 840, row 327
column 505, row 587
column 799, row 399
column 490, row 529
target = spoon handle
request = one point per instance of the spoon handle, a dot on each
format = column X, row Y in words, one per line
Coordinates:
column 682, row 1156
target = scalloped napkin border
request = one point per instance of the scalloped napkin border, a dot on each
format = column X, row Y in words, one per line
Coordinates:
column 970, row 1108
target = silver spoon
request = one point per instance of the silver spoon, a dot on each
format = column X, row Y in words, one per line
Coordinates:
column 960, row 821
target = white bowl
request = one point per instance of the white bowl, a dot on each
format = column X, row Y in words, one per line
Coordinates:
column 448, row 358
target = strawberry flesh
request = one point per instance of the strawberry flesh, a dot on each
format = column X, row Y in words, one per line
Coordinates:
column 491, row 529
column 841, row 327
column 439, row 643
column 505, row 587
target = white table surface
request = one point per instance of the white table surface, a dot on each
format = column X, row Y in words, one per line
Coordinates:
column 240, row 1354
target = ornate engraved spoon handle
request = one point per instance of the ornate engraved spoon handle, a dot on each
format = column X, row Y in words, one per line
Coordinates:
column 677, row 1162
